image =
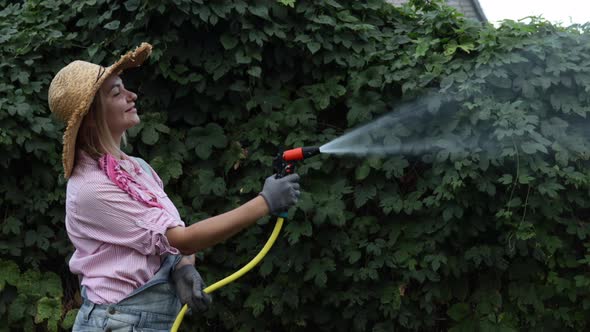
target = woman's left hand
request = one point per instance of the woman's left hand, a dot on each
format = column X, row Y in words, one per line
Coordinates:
column 189, row 288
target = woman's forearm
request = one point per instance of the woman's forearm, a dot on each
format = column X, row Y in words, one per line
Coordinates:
column 208, row 232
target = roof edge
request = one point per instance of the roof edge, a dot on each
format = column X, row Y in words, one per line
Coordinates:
column 479, row 11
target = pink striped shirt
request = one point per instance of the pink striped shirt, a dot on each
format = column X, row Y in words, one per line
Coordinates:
column 119, row 241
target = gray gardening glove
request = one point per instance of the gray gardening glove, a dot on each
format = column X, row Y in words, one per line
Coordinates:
column 189, row 288
column 281, row 194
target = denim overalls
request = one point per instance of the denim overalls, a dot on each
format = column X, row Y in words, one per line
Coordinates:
column 152, row 307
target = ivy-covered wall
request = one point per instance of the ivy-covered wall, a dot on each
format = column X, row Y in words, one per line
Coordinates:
column 448, row 240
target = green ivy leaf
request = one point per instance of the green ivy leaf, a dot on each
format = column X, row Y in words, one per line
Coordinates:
column 242, row 58
column 459, row 311
column 113, row 25
column 49, row 309
column 228, row 41
column 532, row 148
column 364, row 193
column 209, row 184
column 167, row 169
column 317, row 270
column 255, row 301
column 149, row 135
column 204, row 139
column 51, row 284
column 266, row 267
column 392, row 203
column 69, row 319
column 132, row 5
column 506, row 179
column 295, row 230
column 11, row 225
column 255, row 71
column 40, row 237
column 313, row 47
column 550, row 188
column 362, row 171
column 9, row 274
column 353, row 256
column 18, row 308
column 288, row 3
column 259, row 10
column 300, row 111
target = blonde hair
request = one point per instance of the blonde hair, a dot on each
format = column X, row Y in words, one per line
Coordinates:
column 94, row 136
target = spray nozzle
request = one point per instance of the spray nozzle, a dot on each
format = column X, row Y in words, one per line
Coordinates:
column 300, row 153
column 283, row 164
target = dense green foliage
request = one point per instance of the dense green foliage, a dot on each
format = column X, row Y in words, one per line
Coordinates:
column 454, row 239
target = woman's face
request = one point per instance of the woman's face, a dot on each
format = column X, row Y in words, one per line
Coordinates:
column 118, row 105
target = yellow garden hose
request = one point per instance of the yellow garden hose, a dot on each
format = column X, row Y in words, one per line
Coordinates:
column 237, row 274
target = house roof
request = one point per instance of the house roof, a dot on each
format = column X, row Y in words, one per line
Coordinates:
column 470, row 8
column 478, row 10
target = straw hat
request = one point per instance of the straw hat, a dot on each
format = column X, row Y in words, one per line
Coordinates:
column 72, row 91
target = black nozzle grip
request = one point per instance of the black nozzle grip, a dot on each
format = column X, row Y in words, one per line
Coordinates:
column 282, row 168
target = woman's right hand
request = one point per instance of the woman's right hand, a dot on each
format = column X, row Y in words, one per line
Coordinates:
column 280, row 194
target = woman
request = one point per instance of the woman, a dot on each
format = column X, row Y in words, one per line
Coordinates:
column 128, row 235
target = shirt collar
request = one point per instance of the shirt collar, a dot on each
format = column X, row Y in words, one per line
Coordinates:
column 84, row 159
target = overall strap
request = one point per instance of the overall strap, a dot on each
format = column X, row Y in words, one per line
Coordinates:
column 144, row 165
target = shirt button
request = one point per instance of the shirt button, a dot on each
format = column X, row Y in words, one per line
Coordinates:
column 111, row 311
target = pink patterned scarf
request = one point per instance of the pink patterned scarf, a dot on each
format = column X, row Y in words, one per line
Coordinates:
column 110, row 165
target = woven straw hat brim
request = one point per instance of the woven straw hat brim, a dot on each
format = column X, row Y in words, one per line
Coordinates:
column 131, row 59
